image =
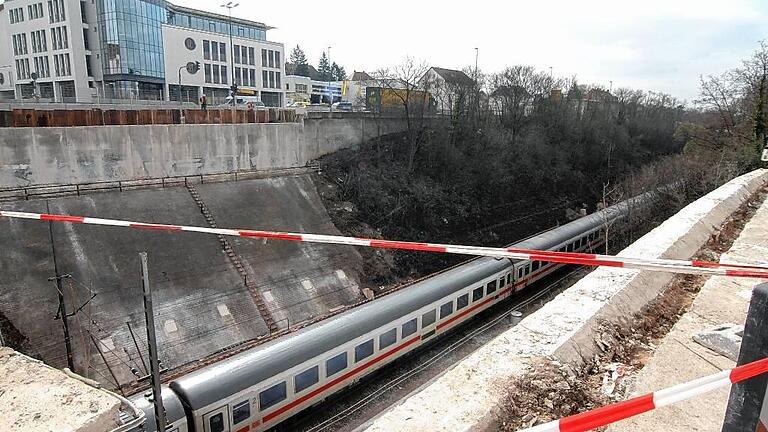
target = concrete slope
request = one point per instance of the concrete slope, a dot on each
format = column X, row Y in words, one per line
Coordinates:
column 201, row 302
column 299, row 281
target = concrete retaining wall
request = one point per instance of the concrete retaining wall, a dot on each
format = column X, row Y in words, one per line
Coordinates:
column 66, row 155
column 467, row 397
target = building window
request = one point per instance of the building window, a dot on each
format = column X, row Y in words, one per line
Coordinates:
column 252, row 73
column 56, row 11
column 251, row 56
column 277, row 80
column 224, row 76
column 222, row 51
column 263, row 58
column 244, row 50
column 62, row 65
column 207, row 68
column 214, row 51
column 216, row 74
column 206, row 50
column 237, row 53
column 59, row 38
column 277, row 59
column 17, row 15
column 238, row 81
column 271, row 58
column 264, row 78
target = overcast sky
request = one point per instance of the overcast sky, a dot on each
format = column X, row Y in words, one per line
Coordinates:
column 661, row 45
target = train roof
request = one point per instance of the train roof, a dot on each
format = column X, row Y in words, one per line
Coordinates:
column 174, row 411
column 227, row 377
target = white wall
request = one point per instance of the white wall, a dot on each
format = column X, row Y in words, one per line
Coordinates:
column 74, row 25
column 177, row 55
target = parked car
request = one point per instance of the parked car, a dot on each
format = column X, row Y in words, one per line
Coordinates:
column 244, row 101
column 342, row 106
column 299, row 104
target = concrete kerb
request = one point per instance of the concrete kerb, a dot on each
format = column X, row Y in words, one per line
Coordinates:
column 467, row 397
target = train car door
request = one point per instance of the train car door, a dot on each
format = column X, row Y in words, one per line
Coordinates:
column 217, row 420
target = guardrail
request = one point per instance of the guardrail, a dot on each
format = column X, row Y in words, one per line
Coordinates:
column 60, row 190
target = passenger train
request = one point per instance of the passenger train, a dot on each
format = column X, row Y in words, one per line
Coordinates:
column 257, row 389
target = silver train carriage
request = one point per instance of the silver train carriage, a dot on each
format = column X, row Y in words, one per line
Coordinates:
column 257, row 389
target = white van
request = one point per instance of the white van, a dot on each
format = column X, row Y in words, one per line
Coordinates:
column 245, row 100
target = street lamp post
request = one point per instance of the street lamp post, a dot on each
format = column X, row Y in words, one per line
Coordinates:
column 231, row 5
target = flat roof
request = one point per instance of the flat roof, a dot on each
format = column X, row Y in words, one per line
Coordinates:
column 207, row 14
column 37, row 397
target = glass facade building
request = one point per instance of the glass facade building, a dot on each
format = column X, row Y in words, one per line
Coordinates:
column 131, row 48
column 131, row 37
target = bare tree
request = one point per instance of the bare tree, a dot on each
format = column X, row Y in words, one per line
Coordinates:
column 403, row 84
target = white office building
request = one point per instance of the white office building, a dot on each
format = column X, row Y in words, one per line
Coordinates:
column 91, row 50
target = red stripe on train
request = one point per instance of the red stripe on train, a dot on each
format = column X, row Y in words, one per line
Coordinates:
column 338, row 380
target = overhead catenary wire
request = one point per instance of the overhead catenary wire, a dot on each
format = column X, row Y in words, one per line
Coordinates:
column 651, row 264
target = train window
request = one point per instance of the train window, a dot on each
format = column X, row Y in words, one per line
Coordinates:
column 462, row 301
column 306, row 379
column 388, row 338
column 520, row 273
column 509, row 278
column 562, row 249
column 409, row 328
column 428, row 318
column 241, row 412
column 272, row 396
column 477, row 294
column 569, row 248
column 364, row 350
column 527, row 269
column 335, row 364
column 536, row 265
column 491, row 287
column 216, row 423
column 446, row 309
column 502, row 283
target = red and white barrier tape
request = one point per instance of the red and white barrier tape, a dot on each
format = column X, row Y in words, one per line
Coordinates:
column 664, row 265
column 629, row 408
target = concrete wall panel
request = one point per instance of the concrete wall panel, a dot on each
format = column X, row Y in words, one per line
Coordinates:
column 66, row 155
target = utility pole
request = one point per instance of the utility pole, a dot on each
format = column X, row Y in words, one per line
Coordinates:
column 154, row 363
column 477, row 52
column 62, row 312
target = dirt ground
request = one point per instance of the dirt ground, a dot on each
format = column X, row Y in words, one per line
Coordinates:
column 551, row 390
